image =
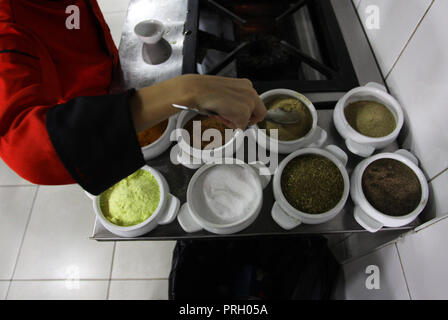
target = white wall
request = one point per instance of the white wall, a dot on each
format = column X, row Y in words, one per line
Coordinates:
column 412, row 52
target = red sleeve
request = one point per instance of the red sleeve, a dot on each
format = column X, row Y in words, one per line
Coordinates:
column 25, row 145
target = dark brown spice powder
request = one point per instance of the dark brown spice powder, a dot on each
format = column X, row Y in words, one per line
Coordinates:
column 312, row 183
column 391, row 187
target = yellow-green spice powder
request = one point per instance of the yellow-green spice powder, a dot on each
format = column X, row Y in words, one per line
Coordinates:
column 132, row 200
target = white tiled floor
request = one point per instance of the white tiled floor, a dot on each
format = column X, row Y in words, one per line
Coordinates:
column 424, row 259
column 138, row 290
column 143, row 260
column 45, row 242
column 58, row 290
column 15, row 208
column 45, row 248
column 57, row 242
column 392, row 284
column 3, row 289
column 8, row 177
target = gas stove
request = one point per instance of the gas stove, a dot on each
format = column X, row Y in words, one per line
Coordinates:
column 294, row 44
column 317, row 47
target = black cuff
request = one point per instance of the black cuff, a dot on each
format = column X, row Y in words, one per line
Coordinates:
column 96, row 140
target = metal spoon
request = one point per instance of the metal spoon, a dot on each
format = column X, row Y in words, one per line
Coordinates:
column 278, row 116
column 281, row 116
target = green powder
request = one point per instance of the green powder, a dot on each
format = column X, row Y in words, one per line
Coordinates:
column 132, row 200
column 370, row 118
column 289, row 132
column 312, row 183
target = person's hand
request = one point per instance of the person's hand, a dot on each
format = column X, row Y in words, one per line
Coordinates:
column 234, row 100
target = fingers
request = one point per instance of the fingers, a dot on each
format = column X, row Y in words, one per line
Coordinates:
column 235, row 100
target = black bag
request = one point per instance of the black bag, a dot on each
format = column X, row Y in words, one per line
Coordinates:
column 293, row 267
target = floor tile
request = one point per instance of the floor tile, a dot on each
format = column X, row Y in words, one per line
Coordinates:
column 394, row 29
column 115, row 21
column 57, row 244
column 15, row 208
column 58, row 290
column 392, row 283
column 419, row 81
column 9, row 177
column 138, row 290
column 361, row 243
column 143, row 260
column 3, row 289
column 425, row 261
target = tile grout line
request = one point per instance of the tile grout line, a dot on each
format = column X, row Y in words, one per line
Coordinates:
column 23, row 239
column 409, row 40
column 402, row 270
column 437, row 175
column 111, row 269
column 392, row 242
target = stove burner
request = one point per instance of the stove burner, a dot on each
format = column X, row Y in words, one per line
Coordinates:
column 283, row 43
column 264, row 58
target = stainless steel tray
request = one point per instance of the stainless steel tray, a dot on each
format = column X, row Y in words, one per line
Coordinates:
column 178, row 177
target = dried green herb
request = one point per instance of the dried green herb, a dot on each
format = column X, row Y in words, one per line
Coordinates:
column 312, row 183
column 289, row 132
column 370, row 118
column 391, row 187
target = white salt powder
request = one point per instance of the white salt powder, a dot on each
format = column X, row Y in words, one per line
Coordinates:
column 230, row 192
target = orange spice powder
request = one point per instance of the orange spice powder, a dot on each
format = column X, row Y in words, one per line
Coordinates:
column 150, row 135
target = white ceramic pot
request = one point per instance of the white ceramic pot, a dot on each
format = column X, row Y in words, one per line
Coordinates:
column 165, row 213
column 314, row 138
column 194, row 158
column 289, row 217
column 195, row 216
column 365, row 214
column 356, row 142
column 159, row 146
column 149, row 31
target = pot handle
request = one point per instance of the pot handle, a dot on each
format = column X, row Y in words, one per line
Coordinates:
column 283, row 219
column 376, row 86
column 319, row 138
column 186, row 220
column 338, row 153
column 359, row 149
column 265, row 178
column 366, row 221
column 172, row 208
column 405, row 153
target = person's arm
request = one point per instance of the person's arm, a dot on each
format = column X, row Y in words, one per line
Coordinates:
column 92, row 140
column 235, row 100
column 88, row 140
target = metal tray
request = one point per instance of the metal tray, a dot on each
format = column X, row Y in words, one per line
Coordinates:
column 179, row 176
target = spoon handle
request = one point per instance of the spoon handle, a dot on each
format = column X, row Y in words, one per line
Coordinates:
column 203, row 112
